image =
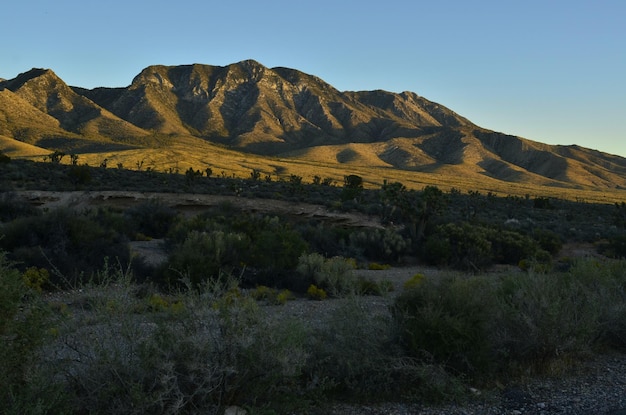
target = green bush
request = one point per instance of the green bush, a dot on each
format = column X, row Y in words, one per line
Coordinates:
column 331, row 274
column 204, row 256
column 316, row 293
column 474, row 247
column 542, row 316
column 447, row 320
column 542, row 203
column 510, row 247
column 353, row 354
column 548, row 240
column 479, row 325
column 605, row 285
column 272, row 245
column 352, row 187
column 466, row 246
column 615, row 247
column 71, row 246
column 349, row 328
column 36, row 278
column 24, row 388
column 380, row 244
column 112, row 219
column 437, row 250
column 368, row 286
column 375, row 266
column 13, row 207
column 79, row 175
column 327, row 239
column 151, row 218
column 275, row 245
column 216, row 351
column 309, row 266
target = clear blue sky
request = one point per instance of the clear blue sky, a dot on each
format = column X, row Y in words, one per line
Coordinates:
column 553, row 71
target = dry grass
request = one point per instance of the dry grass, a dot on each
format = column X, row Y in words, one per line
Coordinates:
column 18, row 149
column 191, row 152
column 183, row 152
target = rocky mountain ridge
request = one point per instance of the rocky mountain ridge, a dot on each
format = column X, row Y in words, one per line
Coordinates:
column 284, row 112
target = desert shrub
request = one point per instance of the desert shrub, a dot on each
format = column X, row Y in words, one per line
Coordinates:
column 273, row 245
column 330, row 274
column 619, row 215
column 79, row 175
column 326, row 239
column 369, row 286
column 310, row 265
column 352, row 187
column 479, row 325
column 316, row 293
column 152, row 218
column 205, row 222
column 71, row 245
column 605, row 285
column 548, row 240
column 469, row 246
column 375, row 266
column 540, row 262
column 24, row 388
column 510, row 247
column 437, row 250
column 380, row 244
column 413, row 282
column 447, row 320
column 352, row 327
column 113, row 219
column 217, row 350
column 271, row 296
column 36, row 278
column 474, row 247
column 542, row 203
column 203, row 256
column 542, row 316
column 614, row 247
column 276, row 245
column 13, row 207
column 353, row 355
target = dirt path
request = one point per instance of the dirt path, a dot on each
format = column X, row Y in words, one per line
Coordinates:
column 190, row 204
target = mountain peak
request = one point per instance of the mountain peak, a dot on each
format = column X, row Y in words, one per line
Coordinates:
column 249, row 63
column 34, row 73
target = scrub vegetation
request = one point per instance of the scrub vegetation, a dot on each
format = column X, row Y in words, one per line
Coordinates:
column 89, row 326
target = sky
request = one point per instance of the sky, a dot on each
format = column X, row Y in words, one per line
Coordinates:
column 552, row 71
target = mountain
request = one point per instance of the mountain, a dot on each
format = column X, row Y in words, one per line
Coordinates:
column 284, row 112
column 39, row 108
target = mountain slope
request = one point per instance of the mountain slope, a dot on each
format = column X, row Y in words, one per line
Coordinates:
column 78, row 117
column 14, row 148
column 283, row 112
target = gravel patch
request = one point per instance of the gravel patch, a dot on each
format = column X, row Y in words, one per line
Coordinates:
column 596, row 386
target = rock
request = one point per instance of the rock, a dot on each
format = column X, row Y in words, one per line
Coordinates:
column 235, row 410
column 515, row 396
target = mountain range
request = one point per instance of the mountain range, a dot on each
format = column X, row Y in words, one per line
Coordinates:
column 282, row 112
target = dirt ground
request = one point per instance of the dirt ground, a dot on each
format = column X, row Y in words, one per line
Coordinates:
column 190, row 204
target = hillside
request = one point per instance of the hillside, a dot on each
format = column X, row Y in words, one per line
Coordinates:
column 284, row 113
